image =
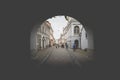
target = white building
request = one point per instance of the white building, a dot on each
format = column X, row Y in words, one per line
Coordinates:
column 43, row 35
column 52, row 39
column 72, row 34
column 84, row 39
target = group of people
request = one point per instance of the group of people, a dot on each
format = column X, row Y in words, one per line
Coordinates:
column 66, row 45
column 62, row 46
column 57, row 46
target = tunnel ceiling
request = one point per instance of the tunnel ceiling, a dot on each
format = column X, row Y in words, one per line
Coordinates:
column 38, row 19
column 38, row 15
column 32, row 15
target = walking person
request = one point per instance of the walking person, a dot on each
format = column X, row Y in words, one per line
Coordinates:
column 66, row 46
column 56, row 45
column 74, row 47
column 62, row 46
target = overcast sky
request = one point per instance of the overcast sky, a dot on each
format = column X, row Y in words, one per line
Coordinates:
column 57, row 24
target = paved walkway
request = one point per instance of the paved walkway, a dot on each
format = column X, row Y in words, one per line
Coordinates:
column 61, row 57
column 42, row 54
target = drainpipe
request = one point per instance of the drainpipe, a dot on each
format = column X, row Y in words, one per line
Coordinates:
column 80, row 39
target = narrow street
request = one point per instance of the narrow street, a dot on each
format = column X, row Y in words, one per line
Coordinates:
column 61, row 57
column 66, row 32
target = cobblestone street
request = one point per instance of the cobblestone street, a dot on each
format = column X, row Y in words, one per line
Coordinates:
column 61, row 57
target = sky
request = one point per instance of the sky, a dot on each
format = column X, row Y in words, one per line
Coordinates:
column 57, row 23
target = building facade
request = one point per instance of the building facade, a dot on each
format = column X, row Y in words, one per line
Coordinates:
column 74, row 33
column 84, row 39
column 44, row 36
column 52, row 39
column 61, row 40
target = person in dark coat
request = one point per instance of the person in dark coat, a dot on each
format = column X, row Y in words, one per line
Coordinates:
column 56, row 45
column 66, row 46
column 74, row 47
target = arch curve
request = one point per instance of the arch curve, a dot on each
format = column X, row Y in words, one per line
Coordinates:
column 37, row 24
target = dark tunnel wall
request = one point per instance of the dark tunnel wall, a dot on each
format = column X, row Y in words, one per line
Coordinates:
column 22, row 17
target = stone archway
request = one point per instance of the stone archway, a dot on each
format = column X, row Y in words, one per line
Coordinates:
column 88, row 29
column 77, row 43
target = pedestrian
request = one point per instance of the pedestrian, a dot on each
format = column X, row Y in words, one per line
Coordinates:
column 66, row 46
column 74, row 47
column 62, row 45
column 56, row 45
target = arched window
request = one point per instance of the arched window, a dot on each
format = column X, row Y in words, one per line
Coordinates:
column 76, row 29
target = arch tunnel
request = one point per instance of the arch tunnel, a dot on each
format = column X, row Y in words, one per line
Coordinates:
column 36, row 24
column 97, row 18
column 32, row 20
column 33, row 36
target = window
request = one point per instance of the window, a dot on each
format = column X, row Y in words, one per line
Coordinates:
column 76, row 29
